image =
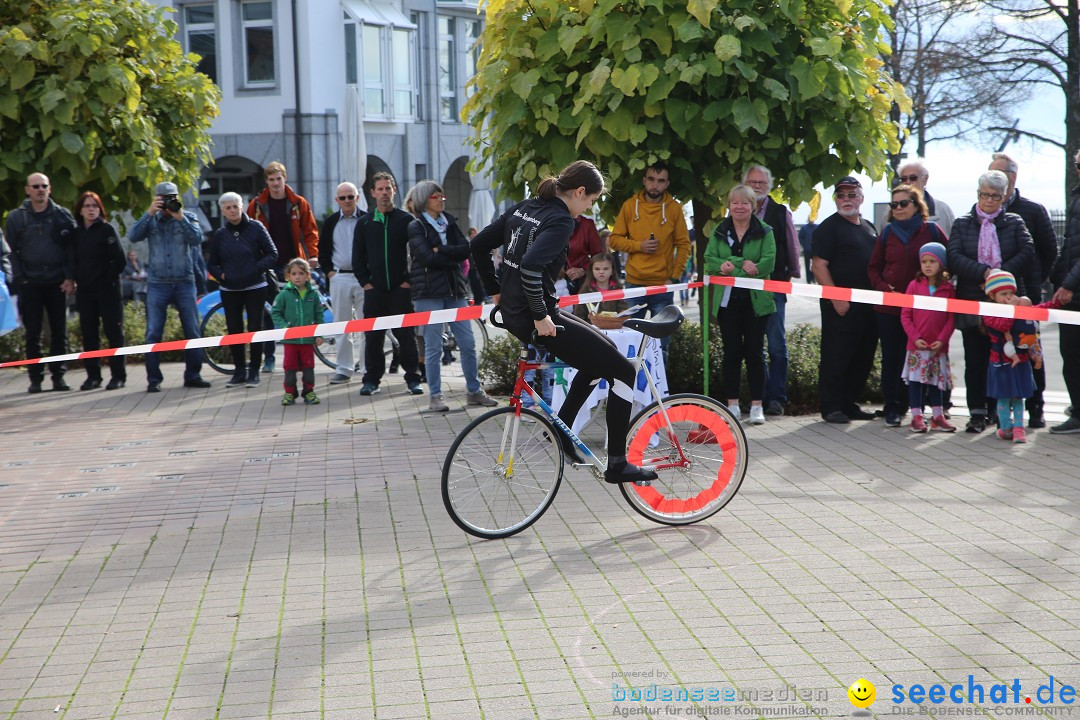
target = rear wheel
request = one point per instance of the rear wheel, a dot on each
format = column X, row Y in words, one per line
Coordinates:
column 502, row 472
column 700, row 459
column 213, row 325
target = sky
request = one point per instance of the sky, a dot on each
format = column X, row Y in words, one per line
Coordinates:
column 955, row 166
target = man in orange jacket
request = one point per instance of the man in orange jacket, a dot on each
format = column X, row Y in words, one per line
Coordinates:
column 291, row 224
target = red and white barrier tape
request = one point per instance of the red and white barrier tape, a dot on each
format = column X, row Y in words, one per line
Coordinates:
column 417, row 319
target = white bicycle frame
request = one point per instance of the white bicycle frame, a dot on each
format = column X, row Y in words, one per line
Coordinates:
column 591, row 461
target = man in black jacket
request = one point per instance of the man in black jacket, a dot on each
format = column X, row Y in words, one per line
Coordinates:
column 43, row 270
column 380, row 259
column 1066, row 278
column 1041, row 229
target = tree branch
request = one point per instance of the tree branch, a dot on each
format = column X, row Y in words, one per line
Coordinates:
column 1026, row 133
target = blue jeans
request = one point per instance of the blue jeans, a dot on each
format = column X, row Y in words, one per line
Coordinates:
column 180, row 295
column 433, row 344
column 776, row 366
column 653, row 304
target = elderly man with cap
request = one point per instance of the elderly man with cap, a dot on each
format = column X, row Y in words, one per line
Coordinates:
column 843, row 244
column 171, row 232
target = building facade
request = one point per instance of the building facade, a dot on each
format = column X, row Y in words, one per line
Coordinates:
column 337, row 90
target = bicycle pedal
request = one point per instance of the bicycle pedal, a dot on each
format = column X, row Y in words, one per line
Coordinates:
column 643, row 483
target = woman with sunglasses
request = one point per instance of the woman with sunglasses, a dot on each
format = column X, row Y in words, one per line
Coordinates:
column 893, row 265
column 985, row 239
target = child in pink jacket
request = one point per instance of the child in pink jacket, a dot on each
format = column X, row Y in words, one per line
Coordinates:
column 926, row 367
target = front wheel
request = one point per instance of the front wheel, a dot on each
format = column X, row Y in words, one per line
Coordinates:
column 213, row 324
column 700, row 458
column 502, row 472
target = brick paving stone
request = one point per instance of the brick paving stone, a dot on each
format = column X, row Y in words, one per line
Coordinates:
column 197, row 576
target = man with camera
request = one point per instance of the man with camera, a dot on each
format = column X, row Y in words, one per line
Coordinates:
column 172, row 232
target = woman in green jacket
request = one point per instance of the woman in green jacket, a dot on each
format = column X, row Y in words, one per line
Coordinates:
column 742, row 246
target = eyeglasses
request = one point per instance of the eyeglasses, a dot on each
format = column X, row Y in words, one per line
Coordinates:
column 848, row 196
column 438, row 197
column 343, row 198
column 909, row 178
column 40, row 186
column 990, row 196
column 900, row 204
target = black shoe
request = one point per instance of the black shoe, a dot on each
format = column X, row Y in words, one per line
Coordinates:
column 570, row 451
column 239, row 378
column 91, row 384
column 837, row 417
column 860, row 414
column 775, row 408
column 624, row 472
column 1036, row 421
column 115, row 384
column 153, row 387
column 252, row 378
column 892, row 419
column 414, row 387
column 1069, row 427
column 35, row 387
column 976, row 424
column 59, row 385
column 196, row 383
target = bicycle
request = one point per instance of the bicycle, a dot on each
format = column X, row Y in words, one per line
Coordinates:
column 503, row 470
column 213, row 325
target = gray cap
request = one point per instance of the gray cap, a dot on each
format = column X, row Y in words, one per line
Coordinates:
column 166, row 188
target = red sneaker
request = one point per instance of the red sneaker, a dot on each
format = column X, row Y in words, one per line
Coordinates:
column 1005, row 434
column 1019, row 434
column 940, row 423
column 918, row 424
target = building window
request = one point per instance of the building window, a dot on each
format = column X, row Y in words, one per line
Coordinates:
column 447, row 77
column 258, row 25
column 380, row 57
column 201, row 36
column 472, row 53
column 374, row 86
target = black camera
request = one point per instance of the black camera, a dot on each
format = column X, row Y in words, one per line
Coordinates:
column 172, row 203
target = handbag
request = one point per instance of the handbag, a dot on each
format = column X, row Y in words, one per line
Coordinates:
column 9, row 311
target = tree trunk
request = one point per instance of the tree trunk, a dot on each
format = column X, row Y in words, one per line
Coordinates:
column 702, row 215
column 1072, row 94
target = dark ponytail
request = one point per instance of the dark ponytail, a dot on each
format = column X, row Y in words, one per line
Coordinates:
column 580, row 173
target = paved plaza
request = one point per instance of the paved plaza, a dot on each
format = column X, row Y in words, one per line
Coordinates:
column 202, row 554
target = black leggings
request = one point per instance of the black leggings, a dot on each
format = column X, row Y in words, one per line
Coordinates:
column 582, row 346
column 235, row 304
column 743, row 335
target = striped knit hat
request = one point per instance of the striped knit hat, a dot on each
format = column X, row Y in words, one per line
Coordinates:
column 999, row 280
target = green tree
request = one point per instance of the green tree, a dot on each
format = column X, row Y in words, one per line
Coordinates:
column 710, row 87
column 97, row 95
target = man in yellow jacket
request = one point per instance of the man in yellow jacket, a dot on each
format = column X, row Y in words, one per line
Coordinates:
column 651, row 229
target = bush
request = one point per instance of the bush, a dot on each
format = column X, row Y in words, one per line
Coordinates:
column 685, row 363
column 498, row 364
column 13, row 345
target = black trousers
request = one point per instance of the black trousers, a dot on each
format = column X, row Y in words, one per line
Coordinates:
column 36, row 302
column 1070, row 363
column 893, row 352
column 101, row 306
column 743, row 336
column 848, row 344
column 595, row 356
column 379, row 303
column 236, row 304
column 976, row 361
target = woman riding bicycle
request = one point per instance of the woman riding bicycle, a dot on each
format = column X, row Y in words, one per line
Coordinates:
column 537, row 235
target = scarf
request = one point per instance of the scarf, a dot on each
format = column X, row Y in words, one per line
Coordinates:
column 989, row 245
column 440, row 224
column 904, row 229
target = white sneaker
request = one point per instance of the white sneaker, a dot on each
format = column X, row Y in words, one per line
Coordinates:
column 437, row 404
column 757, row 415
column 735, row 410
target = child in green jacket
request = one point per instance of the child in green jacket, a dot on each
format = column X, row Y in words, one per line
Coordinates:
column 298, row 304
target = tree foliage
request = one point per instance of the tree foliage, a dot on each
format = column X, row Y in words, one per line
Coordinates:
column 97, row 95
column 710, row 87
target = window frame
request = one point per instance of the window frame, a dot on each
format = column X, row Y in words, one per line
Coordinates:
column 211, row 29
column 387, row 85
column 450, row 93
column 246, row 82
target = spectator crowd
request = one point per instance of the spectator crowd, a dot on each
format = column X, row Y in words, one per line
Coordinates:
column 392, row 260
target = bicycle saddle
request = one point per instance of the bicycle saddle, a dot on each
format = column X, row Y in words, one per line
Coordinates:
column 660, row 325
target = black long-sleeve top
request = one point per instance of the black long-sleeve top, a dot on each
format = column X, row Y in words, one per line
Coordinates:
column 537, row 234
column 99, row 257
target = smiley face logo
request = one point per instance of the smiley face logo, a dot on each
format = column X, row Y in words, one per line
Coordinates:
column 862, row 693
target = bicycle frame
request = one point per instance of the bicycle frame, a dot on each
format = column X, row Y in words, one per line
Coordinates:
column 520, row 386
